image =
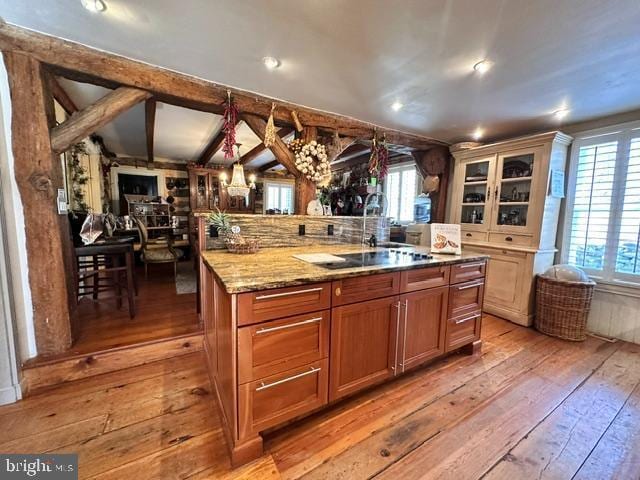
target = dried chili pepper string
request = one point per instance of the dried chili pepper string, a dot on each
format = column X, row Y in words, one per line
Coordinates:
column 229, row 126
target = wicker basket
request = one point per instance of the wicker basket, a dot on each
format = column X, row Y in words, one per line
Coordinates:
column 562, row 308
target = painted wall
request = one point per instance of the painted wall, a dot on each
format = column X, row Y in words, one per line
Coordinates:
column 15, row 232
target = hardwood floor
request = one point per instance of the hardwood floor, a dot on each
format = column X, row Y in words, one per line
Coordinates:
column 161, row 313
column 529, row 406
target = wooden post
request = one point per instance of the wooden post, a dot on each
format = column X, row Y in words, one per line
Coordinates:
column 149, row 127
column 436, row 161
column 38, row 175
column 305, row 188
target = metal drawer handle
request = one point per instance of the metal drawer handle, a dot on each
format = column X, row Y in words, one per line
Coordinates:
column 264, row 386
column 395, row 361
column 464, row 287
column 470, row 265
column 286, row 294
column 462, row 320
column 290, row 325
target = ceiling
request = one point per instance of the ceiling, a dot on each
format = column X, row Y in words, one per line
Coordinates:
column 357, row 57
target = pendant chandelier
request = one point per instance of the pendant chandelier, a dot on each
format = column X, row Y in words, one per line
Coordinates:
column 238, row 186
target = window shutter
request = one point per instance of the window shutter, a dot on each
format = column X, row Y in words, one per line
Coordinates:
column 627, row 260
column 592, row 203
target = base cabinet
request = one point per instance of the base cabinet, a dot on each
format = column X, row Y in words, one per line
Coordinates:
column 364, row 339
column 422, row 330
column 279, row 354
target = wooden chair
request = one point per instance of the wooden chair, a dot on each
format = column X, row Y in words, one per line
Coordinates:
column 158, row 250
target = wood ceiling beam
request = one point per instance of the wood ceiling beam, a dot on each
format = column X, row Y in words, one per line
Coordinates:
column 95, row 116
column 149, row 126
column 86, row 64
column 255, row 152
column 279, row 148
column 268, row 166
column 213, row 146
column 61, row 96
column 354, row 152
column 142, row 163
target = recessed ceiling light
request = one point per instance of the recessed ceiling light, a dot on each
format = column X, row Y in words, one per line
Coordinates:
column 477, row 134
column 561, row 113
column 396, row 106
column 271, row 62
column 95, row 6
column 482, row 66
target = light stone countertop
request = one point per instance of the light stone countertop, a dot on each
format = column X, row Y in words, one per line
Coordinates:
column 276, row 267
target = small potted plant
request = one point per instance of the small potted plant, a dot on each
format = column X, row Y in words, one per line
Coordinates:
column 231, row 236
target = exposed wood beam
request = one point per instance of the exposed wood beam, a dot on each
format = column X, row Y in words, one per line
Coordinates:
column 353, row 152
column 269, row 166
column 258, row 149
column 38, row 174
column 212, row 147
column 305, row 188
column 86, row 64
column 61, row 96
column 142, row 163
column 149, row 123
column 279, row 148
column 95, row 116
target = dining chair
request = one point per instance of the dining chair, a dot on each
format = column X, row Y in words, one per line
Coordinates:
column 159, row 250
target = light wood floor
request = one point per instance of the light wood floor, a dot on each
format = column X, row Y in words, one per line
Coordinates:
column 161, row 313
column 529, row 407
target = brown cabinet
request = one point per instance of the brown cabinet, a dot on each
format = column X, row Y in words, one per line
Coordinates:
column 273, row 347
column 421, row 278
column 464, row 272
column 278, row 398
column 466, row 298
column 463, row 330
column 359, row 289
column 364, row 343
column 422, row 326
column 254, row 307
column 206, row 193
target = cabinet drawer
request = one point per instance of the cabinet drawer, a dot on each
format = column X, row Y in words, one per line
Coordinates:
column 359, row 289
column 476, row 236
column 465, row 298
column 463, row 330
column 279, row 345
column 257, row 307
column 467, row 271
column 421, row 278
column 281, row 397
column 510, row 239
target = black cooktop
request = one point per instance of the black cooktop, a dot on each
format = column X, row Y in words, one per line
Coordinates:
column 385, row 257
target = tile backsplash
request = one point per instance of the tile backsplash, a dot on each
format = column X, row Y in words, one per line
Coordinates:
column 284, row 230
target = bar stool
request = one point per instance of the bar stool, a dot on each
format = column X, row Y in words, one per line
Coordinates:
column 109, row 265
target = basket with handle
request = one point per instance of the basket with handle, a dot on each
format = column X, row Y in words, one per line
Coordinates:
column 562, row 307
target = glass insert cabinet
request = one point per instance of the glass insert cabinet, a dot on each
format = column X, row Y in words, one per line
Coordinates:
column 494, row 193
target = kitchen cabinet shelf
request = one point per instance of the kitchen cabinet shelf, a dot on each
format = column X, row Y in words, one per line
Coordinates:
column 516, row 179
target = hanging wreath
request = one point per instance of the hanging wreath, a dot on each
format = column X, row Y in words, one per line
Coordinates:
column 379, row 160
column 229, row 126
column 311, row 159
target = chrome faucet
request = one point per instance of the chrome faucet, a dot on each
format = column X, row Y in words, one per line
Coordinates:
column 378, row 209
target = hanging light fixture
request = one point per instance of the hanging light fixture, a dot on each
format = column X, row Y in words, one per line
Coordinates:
column 238, row 186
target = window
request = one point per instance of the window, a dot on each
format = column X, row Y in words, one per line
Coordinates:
column 603, row 208
column 278, row 196
column 401, row 188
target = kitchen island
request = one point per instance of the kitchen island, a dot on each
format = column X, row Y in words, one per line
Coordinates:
column 284, row 337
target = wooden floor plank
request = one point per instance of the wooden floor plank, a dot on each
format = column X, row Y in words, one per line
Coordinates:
column 385, row 446
column 473, row 446
column 617, row 455
column 336, row 430
column 560, row 444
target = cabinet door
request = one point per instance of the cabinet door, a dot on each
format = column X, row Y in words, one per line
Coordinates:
column 519, row 176
column 364, row 345
column 423, row 320
column 506, row 272
column 474, row 201
column 200, row 190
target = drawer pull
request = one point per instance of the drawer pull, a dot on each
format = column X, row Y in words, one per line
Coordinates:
column 469, row 235
column 338, row 292
column 286, row 294
column 462, row 320
column 472, row 285
column 290, row 325
column 509, row 239
column 470, row 265
column 395, row 361
column 264, row 386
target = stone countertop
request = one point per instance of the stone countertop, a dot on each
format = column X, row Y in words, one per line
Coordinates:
column 276, row 267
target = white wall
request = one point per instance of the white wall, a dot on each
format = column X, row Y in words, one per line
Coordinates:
column 15, row 233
